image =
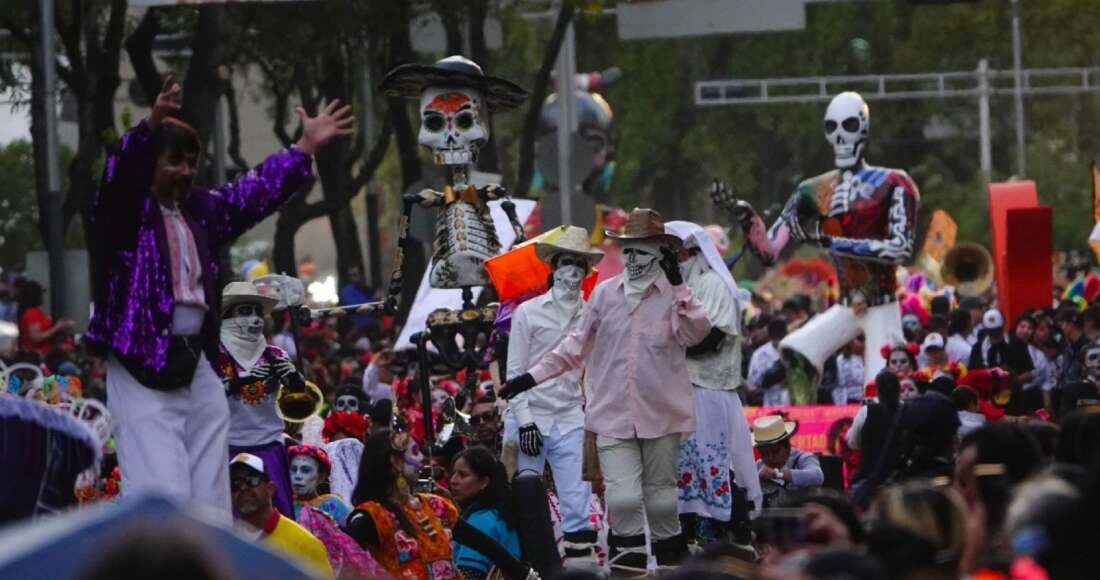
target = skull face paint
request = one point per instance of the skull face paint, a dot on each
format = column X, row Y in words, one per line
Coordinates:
column 1092, row 361
column 245, row 322
column 305, row 476
column 569, row 272
column 346, row 404
column 847, row 126
column 638, row 261
column 451, row 124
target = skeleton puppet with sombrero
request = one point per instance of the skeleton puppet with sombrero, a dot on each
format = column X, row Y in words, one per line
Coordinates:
column 456, row 98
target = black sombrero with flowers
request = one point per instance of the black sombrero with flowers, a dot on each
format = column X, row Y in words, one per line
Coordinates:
column 410, row 80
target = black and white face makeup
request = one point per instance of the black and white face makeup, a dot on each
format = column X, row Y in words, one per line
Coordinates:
column 569, row 272
column 346, row 404
column 245, row 321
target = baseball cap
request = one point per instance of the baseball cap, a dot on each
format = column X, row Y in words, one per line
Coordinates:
column 933, row 340
column 250, row 461
column 993, row 319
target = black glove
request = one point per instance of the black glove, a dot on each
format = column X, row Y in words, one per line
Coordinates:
column 530, row 440
column 671, row 266
column 287, row 374
column 524, row 382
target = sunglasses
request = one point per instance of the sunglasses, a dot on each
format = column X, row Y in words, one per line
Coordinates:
column 245, row 481
column 486, row 417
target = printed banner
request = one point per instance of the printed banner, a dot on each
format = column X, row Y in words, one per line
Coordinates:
column 814, row 422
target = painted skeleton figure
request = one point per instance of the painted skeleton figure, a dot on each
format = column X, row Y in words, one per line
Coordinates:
column 456, row 98
column 865, row 218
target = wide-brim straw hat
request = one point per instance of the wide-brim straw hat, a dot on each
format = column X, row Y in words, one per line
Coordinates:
column 410, row 80
column 574, row 240
column 236, row 293
column 771, row 429
column 645, row 224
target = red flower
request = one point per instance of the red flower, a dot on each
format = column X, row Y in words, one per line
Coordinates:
column 713, row 471
column 686, row 478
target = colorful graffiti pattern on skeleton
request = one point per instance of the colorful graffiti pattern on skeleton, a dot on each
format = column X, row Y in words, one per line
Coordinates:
column 865, row 217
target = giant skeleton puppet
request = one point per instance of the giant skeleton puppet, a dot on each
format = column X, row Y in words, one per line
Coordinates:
column 864, row 217
column 456, row 98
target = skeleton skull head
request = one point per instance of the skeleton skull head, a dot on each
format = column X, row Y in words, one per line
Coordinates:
column 452, row 124
column 346, row 404
column 305, row 475
column 1092, row 361
column 847, row 126
column 639, row 260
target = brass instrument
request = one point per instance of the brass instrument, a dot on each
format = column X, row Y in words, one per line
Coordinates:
column 969, row 268
column 297, row 407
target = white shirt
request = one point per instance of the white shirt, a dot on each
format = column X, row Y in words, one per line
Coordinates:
column 849, row 379
column 958, row 349
column 762, row 359
column 537, row 327
column 720, row 369
column 1041, row 372
column 373, row 388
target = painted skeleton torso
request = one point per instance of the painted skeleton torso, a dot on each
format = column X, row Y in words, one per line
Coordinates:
column 870, row 214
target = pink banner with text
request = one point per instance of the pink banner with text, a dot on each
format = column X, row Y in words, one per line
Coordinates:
column 814, row 422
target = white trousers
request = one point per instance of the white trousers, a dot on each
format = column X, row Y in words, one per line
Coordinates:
column 172, row 442
column 563, row 453
column 829, row 331
column 640, row 478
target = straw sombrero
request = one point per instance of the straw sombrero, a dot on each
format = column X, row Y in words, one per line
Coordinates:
column 771, row 429
column 574, row 240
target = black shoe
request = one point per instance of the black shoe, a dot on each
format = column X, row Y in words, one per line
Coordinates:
column 627, row 556
column 670, row 551
column 580, row 549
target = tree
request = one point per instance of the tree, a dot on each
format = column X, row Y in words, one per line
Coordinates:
column 90, row 34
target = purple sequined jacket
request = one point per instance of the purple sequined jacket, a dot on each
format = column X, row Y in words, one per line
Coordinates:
column 133, row 301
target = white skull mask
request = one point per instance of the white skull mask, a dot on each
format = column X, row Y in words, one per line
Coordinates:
column 245, row 323
column 305, row 476
column 452, row 124
column 638, row 261
column 568, row 274
column 346, row 404
column 847, row 126
column 1092, row 361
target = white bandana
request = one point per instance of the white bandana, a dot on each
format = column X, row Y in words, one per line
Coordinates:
column 566, row 291
column 243, row 338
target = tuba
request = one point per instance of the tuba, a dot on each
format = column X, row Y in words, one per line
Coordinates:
column 298, row 406
column 969, row 268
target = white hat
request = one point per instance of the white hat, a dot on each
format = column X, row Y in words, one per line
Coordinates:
column 246, row 293
column 993, row 319
column 771, row 429
column 249, row 460
column 574, row 240
column 933, row 340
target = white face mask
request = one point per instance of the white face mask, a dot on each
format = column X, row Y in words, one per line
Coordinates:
column 847, row 125
column 305, row 476
column 346, row 404
column 569, row 272
column 639, row 261
column 242, row 334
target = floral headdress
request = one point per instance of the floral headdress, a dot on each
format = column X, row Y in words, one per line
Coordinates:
column 313, row 451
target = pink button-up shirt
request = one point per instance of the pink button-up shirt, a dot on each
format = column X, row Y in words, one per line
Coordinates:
column 635, row 368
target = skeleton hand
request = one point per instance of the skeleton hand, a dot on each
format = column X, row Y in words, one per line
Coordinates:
column 261, row 372
column 741, row 210
column 530, row 440
column 288, row 374
column 671, row 266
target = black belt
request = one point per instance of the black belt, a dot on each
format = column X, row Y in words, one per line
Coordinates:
column 184, row 352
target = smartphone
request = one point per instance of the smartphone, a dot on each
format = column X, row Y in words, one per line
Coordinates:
column 780, row 527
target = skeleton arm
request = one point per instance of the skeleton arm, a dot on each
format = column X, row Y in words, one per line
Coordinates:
column 765, row 243
column 897, row 246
